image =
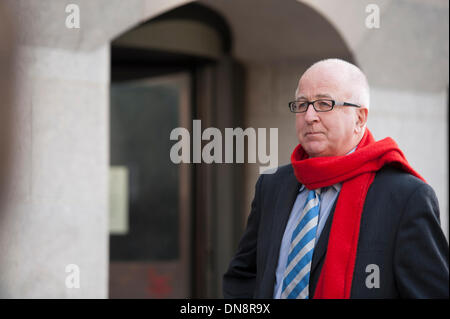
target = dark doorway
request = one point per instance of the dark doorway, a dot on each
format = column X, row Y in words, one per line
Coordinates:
column 163, row 233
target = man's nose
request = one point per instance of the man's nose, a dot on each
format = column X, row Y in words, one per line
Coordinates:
column 311, row 114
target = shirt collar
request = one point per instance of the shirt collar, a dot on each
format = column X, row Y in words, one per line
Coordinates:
column 352, row 150
column 337, row 187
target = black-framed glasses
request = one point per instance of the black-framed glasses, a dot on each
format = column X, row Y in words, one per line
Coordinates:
column 322, row 105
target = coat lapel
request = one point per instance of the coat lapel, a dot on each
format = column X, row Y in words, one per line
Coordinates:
column 284, row 203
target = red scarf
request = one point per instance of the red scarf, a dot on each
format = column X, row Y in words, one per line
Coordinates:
column 356, row 172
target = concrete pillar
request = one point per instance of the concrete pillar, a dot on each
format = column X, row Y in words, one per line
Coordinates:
column 57, row 212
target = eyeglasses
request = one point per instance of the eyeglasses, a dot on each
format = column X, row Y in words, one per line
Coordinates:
column 318, row 105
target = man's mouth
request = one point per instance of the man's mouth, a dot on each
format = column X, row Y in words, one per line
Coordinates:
column 313, row 133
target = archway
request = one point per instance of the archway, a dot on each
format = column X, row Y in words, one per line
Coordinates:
column 241, row 74
column 158, row 69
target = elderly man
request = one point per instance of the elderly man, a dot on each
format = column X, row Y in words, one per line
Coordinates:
column 349, row 217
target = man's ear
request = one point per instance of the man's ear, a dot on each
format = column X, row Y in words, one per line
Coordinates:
column 361, row 118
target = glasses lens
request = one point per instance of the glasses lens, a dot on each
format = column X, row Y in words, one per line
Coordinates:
column 302, row 106
column 323, row 105
column 297, row 107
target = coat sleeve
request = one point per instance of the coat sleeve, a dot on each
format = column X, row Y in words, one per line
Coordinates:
column 421, row 255
column 240, row 278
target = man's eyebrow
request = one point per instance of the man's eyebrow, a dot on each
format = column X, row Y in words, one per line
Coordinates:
column 320, row 96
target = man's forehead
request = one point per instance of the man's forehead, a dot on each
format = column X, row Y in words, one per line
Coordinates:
column 322, row 90
column 323, row 77
column 324, row 87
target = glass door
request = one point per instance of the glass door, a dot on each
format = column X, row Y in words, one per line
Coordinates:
column 150, row 197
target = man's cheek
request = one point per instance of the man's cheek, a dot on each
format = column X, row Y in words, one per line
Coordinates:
column 298, row 129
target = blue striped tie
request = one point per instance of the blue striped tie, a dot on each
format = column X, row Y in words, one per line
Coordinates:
column 298, row 266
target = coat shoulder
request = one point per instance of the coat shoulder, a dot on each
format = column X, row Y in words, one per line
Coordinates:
column 282, row 172
column 392, row 178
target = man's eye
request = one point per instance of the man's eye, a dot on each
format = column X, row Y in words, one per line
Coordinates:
column 302, row 104
column 324, row 104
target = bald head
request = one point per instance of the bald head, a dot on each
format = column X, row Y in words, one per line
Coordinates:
column 334, row 132
column 343, row 76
